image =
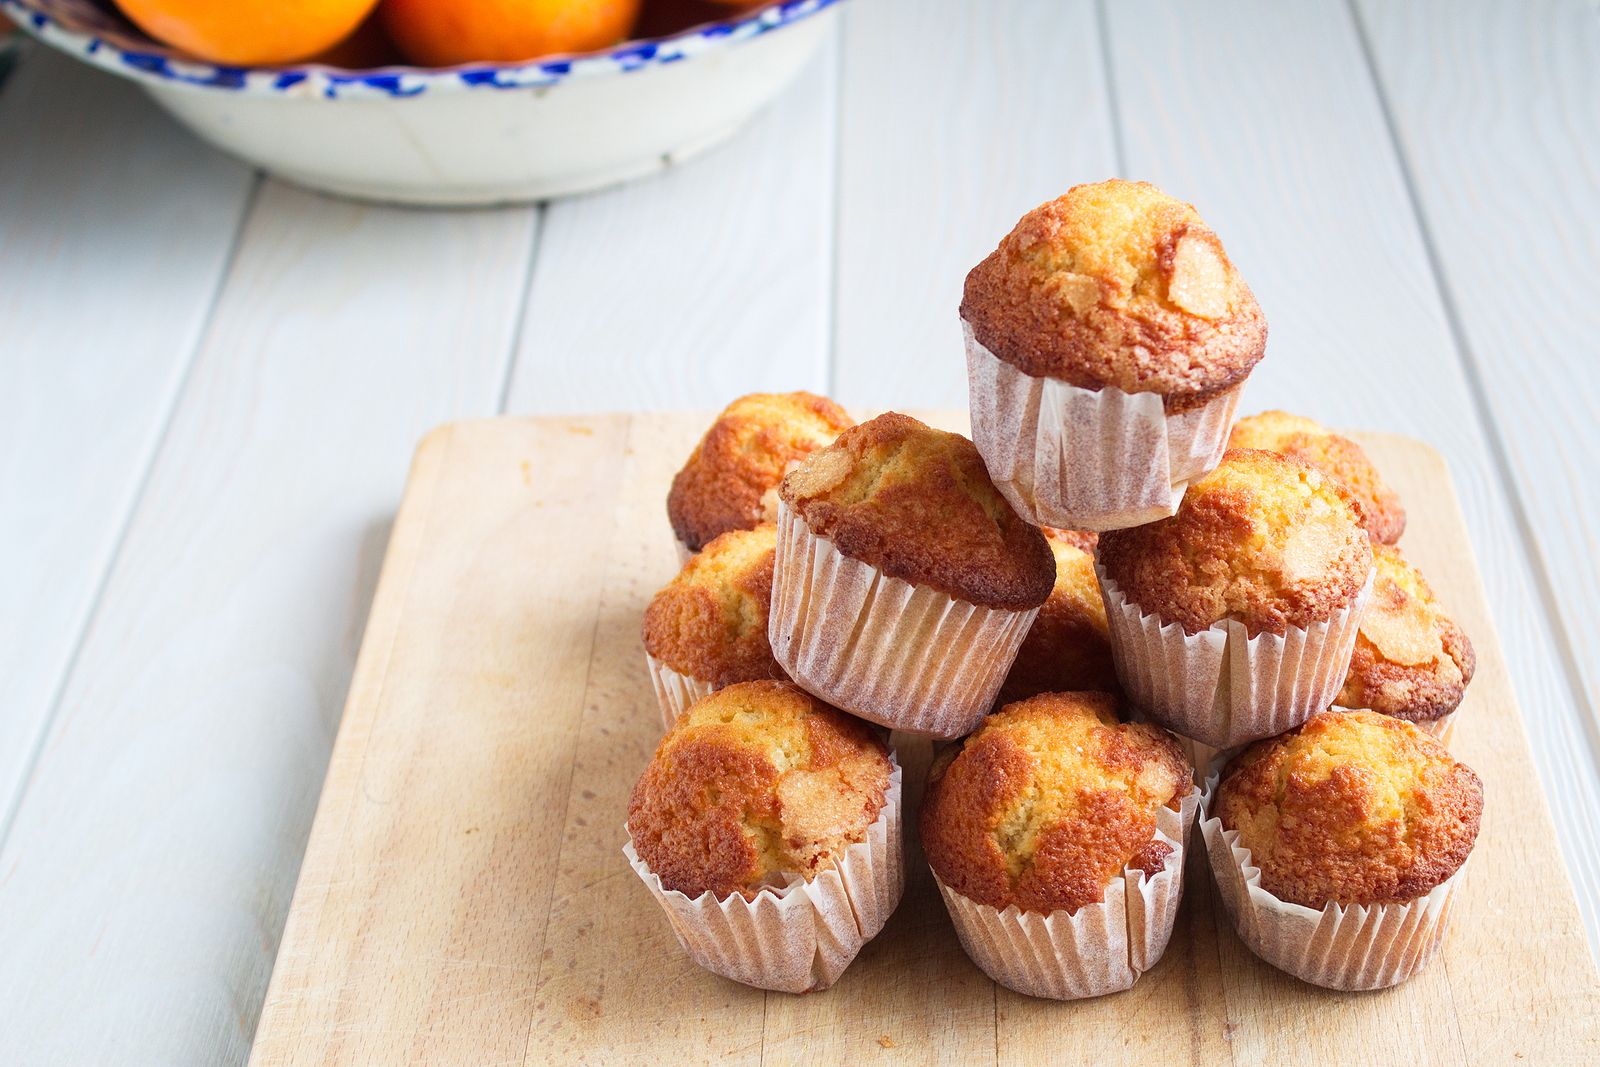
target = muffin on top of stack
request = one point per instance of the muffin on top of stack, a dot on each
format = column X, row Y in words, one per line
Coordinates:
column 891, row 575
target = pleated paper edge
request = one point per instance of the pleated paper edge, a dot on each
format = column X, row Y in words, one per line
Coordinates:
column 1121, row 422
column 880, row 858
column 1140, row 643
column 800, row 640
column 989, row 935
column 1261, row 919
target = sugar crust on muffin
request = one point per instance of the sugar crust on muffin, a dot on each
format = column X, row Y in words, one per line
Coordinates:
column 756, row 781
column 1262, row 539
column 1049, row 801
column 1310, row 442
column 1411, row 660
column 917, row 503
column 731, row 479
column 1351, row 807
column 1117, row 284
column 710, row 622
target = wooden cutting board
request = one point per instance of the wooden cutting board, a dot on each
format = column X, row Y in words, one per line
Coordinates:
column 464, row 899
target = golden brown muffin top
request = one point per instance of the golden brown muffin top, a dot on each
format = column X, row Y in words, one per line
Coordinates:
column 1351, row 807
column 917, row 503
column 710, row 622
column 731, row 479
column 1333, row 454
column 754, row 782
column 1069, row 645
column 1117, row 284
column 1266, row 540
column 1050, row 800
column 1411, row 660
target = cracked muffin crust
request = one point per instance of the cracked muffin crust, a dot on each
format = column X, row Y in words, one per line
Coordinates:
column 917, row 504
column 731, row 479
column 1352, row 807
column 755, row 782
column 1117, row 284
column 1069, row 645
column 1049, row 801
column 1310, row 442
column 1269, row 541
column 710, row 622
column 1411, row 660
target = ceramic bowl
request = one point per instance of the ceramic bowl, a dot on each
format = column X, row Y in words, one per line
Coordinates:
column 481, row 133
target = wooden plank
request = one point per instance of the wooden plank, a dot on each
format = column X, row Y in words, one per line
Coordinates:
column 1306, row 191
column 397, row 901
column 705, row 282
column 155, row 850
column 955, row 118
column 91, row 364
column 1496, row 109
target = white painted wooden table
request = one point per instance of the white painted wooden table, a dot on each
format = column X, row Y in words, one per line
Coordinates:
column 210, row 385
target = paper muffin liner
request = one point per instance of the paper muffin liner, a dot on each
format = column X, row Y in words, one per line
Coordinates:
column 1222, row 686
column 1347, row 947
column 1098, row 949
column 799, row 936
column 904, row 656
column 675, row 691
column 1083, row 458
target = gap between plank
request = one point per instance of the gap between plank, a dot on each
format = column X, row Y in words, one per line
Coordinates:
column 830, row 314
column 30, row 766
column 520, row 321
column 1475, row 388
column 1108, row 74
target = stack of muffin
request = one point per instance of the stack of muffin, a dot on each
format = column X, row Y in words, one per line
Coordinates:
column 1112, row 581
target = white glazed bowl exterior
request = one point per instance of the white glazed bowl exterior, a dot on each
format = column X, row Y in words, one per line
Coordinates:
column 473, row 135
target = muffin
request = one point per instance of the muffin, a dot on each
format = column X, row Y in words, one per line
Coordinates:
column 904, row 581
column 708, row 627
column 1108, row 337
column 767, row 826
column 1337, row 847
column 1335, row 455
column 731, row 479
column 1056, row 835
column 1234, row 619
column 1411, row 660
column 1068, row 647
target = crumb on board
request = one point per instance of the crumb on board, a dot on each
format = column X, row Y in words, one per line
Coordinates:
column 885, row 1041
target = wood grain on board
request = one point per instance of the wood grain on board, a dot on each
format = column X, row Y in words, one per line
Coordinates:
column 464, row 896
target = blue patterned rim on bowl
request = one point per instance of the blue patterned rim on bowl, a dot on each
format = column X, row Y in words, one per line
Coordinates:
column 94, row 33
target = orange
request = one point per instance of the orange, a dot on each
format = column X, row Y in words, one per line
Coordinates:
column 248, row 33
column 442, row 33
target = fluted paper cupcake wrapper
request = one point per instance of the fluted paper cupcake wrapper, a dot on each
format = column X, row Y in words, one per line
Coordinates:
column 675, row 691
column 800, row 936
column 902, row 655
column 1098, row 949
column 1084, row 458
column 1347, row 947
column 1222, row 686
